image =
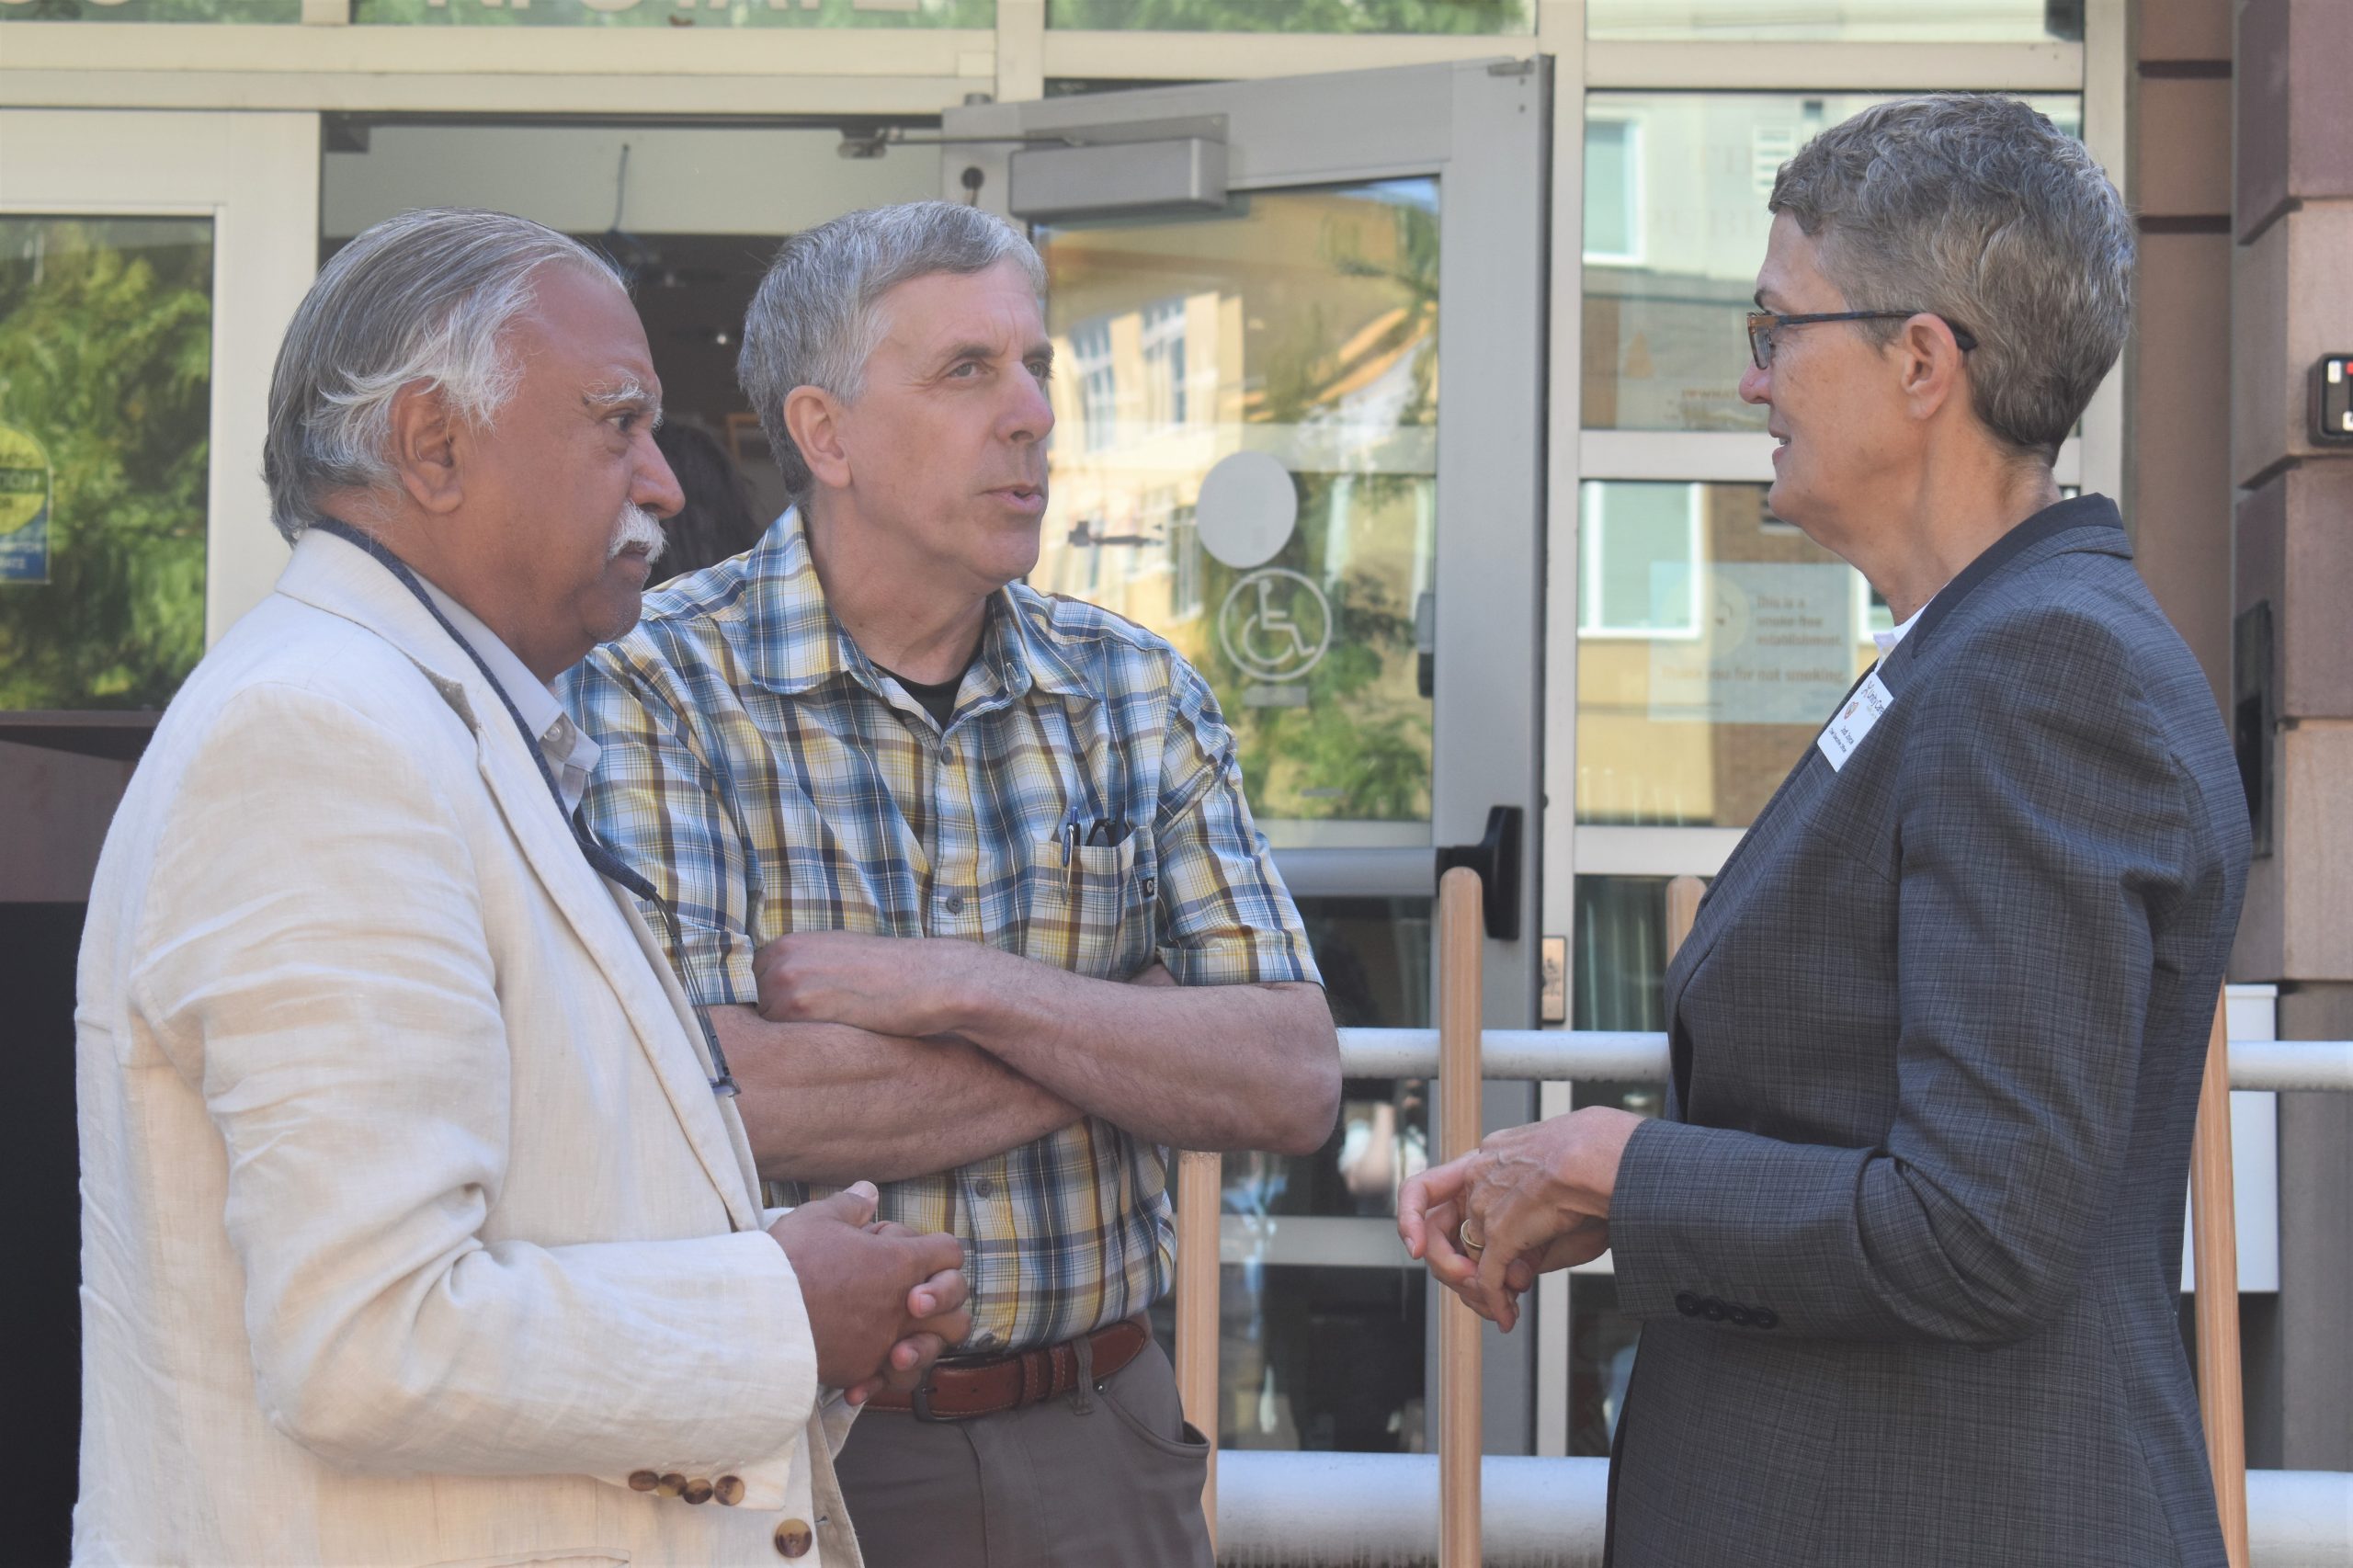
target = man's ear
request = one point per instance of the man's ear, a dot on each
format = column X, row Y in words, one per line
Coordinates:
column 425, row 448
column 813, row 418
column 1930, row 363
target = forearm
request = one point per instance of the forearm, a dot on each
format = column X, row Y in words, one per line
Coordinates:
column 1198, row 1067
column 1839, row 1244
column 831, row 1104
column 515, row 1359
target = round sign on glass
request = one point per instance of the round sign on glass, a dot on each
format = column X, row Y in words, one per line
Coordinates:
column 1247, row 508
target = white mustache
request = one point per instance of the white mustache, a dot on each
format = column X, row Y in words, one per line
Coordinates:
column 637, row 528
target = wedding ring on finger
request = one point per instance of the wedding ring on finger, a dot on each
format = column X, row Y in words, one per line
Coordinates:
column 1469, row 1243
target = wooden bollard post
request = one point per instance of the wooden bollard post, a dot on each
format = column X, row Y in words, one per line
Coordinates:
column 2214, row 1231
column 1199, row 1191
column 1683, row 895
column 1461, row 928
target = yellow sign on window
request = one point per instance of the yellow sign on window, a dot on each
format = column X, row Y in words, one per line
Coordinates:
column 24, row 507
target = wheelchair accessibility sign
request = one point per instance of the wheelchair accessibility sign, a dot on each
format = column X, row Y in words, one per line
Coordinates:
column 1275, row 625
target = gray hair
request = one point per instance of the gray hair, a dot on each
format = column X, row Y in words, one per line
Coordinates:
column 1977, row 209
column 817, row 316
column 423, row 297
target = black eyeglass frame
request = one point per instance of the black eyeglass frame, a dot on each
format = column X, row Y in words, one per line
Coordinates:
column 1762, row 324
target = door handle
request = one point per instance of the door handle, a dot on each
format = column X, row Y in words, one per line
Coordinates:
column 1496, row 860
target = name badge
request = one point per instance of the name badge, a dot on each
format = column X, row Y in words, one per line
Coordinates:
column 1844, row 733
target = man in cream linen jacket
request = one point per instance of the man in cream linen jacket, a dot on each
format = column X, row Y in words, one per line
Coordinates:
column 413, row 1231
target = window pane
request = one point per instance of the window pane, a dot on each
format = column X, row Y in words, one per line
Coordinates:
column 1293, row 16
column 1618, row 959
column 1321, row 1358
column 674, row 12
column 1695, row 723
column 106, row 379
column 1245, row 462
column 246, row 11
column 1612, row 228
column 1322, row 1325
column 1641, row 571
column 1601, row 1362
column 1674, row 240
column 1850, row 21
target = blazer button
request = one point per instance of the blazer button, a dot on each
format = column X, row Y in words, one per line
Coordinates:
column 670, row 1485
column 698, row 1490
column 1765, row 1317
column 1735, row 1312
column 1712, row 1309
column 643, row 1480
column 728, row 1490
column 1686, row 1303
column 793, row 1538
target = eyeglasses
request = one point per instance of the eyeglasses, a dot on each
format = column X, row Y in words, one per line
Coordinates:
column 1763, row 325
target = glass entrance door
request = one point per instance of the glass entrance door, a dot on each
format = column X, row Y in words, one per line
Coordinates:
column 148, row 262
column 1298, row 433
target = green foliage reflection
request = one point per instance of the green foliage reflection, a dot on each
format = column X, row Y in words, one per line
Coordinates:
column 245, row 11
column 1360, row 749
column 1293, row 16
column 667, row 14
column 106, row 357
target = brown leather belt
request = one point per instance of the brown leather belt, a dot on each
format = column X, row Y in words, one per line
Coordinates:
column 970, row 1386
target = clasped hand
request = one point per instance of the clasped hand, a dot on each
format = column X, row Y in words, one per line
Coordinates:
column 1527, row 1200
column 884, row 1301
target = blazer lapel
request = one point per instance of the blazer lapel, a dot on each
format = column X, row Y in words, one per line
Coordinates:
column 334, row 576
column 608, row 924
column 2085, row 522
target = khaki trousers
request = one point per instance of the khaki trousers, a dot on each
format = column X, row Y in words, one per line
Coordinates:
column 1107, row 1477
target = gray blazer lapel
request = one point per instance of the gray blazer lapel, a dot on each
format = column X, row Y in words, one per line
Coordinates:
column 2087, row 522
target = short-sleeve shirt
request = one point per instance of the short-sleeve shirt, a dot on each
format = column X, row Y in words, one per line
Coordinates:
column 768, row 777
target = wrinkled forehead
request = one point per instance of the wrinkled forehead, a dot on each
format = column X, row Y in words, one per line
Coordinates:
column 995, row 307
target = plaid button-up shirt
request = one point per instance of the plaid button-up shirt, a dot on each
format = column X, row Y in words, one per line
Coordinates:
column 768, row 777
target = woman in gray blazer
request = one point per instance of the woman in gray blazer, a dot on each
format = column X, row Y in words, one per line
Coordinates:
column 1905, row 1240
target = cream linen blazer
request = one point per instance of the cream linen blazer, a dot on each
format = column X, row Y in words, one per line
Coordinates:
column 411, row 1226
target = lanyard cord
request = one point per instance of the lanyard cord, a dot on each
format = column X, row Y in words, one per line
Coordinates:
column 601, row 860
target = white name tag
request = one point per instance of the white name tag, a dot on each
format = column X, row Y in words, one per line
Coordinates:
column 1844, row 733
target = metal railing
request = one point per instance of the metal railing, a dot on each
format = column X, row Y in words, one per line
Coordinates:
column 1455, row 1508
column 1291, row 1510
column 1602, row 1055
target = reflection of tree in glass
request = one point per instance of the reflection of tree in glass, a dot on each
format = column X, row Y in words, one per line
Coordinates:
column 665, row 14
column 106, row 349
column 1293, row 16
column 1415, row 275
column 1359, row 748
column 1364, row 734
column 247, row 11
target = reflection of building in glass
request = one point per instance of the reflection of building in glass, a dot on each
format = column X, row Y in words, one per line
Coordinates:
column 1304, row 326
column 1674, row 220
column 1712, row 637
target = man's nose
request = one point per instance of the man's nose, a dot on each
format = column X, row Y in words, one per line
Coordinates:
column 1032, row 416
column 658, row 489
column 1756, row 385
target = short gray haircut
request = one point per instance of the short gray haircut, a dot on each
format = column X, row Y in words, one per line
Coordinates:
column 817, row 317
column 1979, row 209
column 423, row 297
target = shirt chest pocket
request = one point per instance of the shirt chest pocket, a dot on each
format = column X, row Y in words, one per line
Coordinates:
column 1091, row 913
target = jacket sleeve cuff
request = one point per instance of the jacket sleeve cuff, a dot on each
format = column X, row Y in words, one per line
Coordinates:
column 779, row 1356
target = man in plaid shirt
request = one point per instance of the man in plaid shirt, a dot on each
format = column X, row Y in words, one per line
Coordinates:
column 968, row 874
